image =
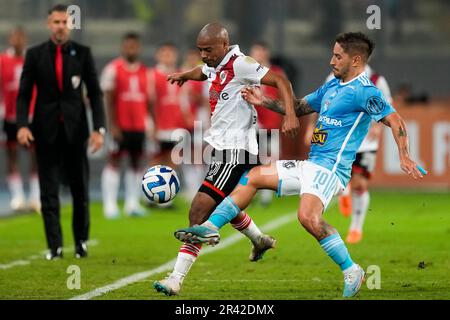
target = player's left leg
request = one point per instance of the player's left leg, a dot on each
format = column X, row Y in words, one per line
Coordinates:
column 310, row 216
column 133, row 175
column 360, row 204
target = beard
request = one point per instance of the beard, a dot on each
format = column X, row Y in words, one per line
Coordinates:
column 131, row 59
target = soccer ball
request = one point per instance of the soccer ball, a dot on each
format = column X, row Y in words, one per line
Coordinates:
column 160, row 184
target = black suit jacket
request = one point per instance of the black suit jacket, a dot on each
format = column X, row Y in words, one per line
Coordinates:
column 52, row 105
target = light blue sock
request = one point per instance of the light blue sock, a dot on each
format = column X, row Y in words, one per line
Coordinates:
column 336, row 249
column 226, row 211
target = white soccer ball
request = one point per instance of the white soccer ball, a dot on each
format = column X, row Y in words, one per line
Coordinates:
column 160, row 184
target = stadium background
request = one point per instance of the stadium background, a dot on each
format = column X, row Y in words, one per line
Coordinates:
column 412, row 52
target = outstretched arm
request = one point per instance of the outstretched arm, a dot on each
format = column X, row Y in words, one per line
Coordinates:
column 290, row 123
column 398, row 127
column 255, row 96
column 181, row 77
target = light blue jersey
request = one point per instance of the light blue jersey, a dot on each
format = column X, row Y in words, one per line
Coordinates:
column 345, row 111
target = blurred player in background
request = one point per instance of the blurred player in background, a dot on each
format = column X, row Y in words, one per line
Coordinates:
column 346, row 105
column 355, row 199
column 232, row 135
column 267, row 119
column 11, row 63
column 170, row 106
column 125, row 85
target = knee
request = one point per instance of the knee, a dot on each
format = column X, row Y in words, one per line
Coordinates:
column 308, row 219
column 359, row 185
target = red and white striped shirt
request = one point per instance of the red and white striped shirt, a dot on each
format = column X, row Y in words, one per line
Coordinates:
column 233, row 120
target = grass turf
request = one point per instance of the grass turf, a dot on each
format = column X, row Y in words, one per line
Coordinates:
column 406, row 236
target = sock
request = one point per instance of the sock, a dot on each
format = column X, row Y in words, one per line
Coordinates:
column 15, row 186
column 336, row 250
column 226, row 211
column 34, row 188
column 360, row 204
column 132, row 190
column 246, row 226
column 186, row 257
column 110, row 189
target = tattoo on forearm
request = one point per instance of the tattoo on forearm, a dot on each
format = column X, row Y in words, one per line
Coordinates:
column 401, row 132
column 274, row 105
column 302, row 108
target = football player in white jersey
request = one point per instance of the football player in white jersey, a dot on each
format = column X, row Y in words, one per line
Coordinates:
column 232, row 135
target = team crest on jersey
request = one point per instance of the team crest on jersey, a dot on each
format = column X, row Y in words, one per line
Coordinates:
column 375, row 105
column 223, row 76
column 319, row 136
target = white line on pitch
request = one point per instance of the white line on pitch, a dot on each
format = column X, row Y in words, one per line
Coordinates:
column 274, row 224
column 27, row 261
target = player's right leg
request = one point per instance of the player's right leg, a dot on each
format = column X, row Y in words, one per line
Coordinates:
column 110, row 182
column 201, row 207
column 14, row 178
column 260, row 177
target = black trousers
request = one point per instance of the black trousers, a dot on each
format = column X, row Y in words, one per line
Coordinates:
column 55, row 161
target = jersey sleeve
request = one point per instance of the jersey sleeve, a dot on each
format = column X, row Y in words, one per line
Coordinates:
column 373, row 102
column 248, row 70
column 108, row 78
column 314, row 99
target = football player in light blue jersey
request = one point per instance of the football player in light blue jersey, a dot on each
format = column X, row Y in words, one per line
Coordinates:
column 346, row 105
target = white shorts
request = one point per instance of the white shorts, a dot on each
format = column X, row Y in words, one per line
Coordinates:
column 298, row 177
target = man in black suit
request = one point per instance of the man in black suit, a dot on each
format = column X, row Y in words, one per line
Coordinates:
column 59, row 67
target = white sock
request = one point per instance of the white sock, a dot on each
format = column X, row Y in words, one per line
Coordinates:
column 34, row 188
column 247, row 227
column 132, row 190
column 110, row 189
column 185, row 259
column 360, row 204
column 15, row 186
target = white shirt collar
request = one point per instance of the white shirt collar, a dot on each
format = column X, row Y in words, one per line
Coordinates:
column 351, row 80
column 234, row 49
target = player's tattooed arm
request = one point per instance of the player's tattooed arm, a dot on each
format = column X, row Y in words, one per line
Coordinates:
column 398, row 127
column 302, row 107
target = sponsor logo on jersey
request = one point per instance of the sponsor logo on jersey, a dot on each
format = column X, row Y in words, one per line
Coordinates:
column 330, row 121
column 319, row 136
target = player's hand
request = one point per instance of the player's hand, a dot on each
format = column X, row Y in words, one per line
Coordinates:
column 253, row 95
column 290, row 125
column 410, row 167
column 177, row 78
column 24, row 136
column 95, row 141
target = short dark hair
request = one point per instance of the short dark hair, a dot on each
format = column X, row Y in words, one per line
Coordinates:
column 356, row 43
column 131, row 35
column 58, row 8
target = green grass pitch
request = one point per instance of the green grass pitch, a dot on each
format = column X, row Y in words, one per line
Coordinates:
column 406, row 235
